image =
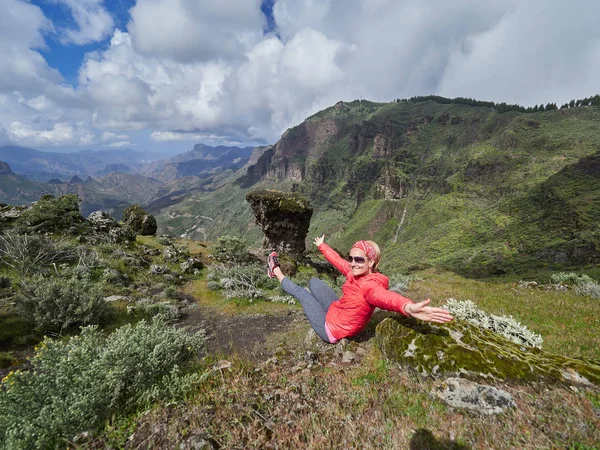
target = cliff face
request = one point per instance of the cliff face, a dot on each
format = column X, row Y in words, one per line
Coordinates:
column 463, row 186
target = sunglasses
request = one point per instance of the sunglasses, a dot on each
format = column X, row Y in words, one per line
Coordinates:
column 356, row 259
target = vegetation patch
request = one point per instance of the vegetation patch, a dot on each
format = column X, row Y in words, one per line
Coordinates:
column 80, row 383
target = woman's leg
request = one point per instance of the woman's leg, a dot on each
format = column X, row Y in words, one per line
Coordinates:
column 322, row 292
column 313, row 309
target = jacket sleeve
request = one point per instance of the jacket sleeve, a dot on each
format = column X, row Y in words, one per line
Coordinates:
column 379, row 297
column 332, row 256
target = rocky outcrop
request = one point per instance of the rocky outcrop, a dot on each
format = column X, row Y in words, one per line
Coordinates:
column 103, row 228
column 462, row 349
column 5, row 169
column 139, row 221
column 284, row 218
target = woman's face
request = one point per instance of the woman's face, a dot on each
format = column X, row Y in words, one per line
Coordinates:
column 360, row 269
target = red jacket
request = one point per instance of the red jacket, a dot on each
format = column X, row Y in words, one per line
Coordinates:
column 350, row 314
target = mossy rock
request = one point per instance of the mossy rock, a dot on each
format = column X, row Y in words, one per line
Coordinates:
column 139, row 221
column 460, row 348
column 284, row 218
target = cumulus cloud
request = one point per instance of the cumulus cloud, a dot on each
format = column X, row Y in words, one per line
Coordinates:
column 195, row 30
column 59, row 134
column 93, row 22
column 206, row 71
column 121, row 144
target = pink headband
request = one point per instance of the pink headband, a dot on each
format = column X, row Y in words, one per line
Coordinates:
column 367, row 248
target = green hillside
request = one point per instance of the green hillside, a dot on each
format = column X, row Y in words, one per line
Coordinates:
column 465, row 187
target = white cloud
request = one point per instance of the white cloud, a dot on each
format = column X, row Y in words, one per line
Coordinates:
column 165, row 136
column 195, row 30
column 108, row 136
column 59, row 134
column 553, row 58
column 93, row 22
column 204, row 71
column 121, row 144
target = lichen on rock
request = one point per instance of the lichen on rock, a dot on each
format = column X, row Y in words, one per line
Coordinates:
column 284, row 218
column 460, row 348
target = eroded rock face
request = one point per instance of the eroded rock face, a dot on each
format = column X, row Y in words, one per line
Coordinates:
column 459, row 348
column 283, row 217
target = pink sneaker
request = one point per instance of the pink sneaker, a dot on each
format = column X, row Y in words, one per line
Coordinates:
column 272, row 262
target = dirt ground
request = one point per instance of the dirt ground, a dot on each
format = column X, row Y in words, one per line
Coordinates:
column 246, row 336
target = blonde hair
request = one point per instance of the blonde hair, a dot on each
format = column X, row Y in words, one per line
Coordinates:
column 377, row 254
column 369, row 247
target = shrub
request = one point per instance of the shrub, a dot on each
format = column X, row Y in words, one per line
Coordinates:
column 80, row 383
column 589, row 289
column 506, row 326
column 5, row 283
column 56, row 305
column 231, row 249
column 243, row 281
column 51, row 214
column 213, row 286
column 169, row 291
column 163, row 310
column 399, row 283
column 32, row 253
column 283, row 299
column 570, row 278
column 163, row 240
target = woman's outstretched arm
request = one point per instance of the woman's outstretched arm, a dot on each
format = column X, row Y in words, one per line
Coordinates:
column 332, row 256
column 421, row 311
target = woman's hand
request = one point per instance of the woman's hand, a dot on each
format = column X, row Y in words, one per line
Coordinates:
column 319, row 240
column 421, row 311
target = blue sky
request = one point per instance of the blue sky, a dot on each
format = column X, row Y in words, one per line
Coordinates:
column 68, row 58
column 163, row 75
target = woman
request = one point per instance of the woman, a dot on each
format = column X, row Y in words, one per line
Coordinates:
column 364, row 290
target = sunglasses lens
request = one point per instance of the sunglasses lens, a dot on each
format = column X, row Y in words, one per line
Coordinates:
column 356, row 259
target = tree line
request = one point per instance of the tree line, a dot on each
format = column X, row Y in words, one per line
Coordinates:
column 502, row 107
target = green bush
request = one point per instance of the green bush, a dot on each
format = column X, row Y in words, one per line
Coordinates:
column 51, row 214
column 79, row 384
column 590, row 289
column 570, row 278
column 231, row 249
column 400, row 283
column 57, row 305
column 164, row 310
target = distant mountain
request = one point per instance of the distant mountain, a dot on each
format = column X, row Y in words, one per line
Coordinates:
column 43, row 166
column 202, row 161
column 111, row 193
column 475, row 188
column 18, row 190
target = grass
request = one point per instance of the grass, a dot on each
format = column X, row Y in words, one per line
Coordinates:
column 567, row 322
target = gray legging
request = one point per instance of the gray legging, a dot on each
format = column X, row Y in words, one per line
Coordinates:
column 315, row 303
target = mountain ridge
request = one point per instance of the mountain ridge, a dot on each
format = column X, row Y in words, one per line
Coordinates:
column 434, row 183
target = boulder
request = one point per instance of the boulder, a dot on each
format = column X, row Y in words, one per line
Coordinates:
column 284, row 218
column 139, row 221
column 101, row 221
column 459, row 348
column 466, row 394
